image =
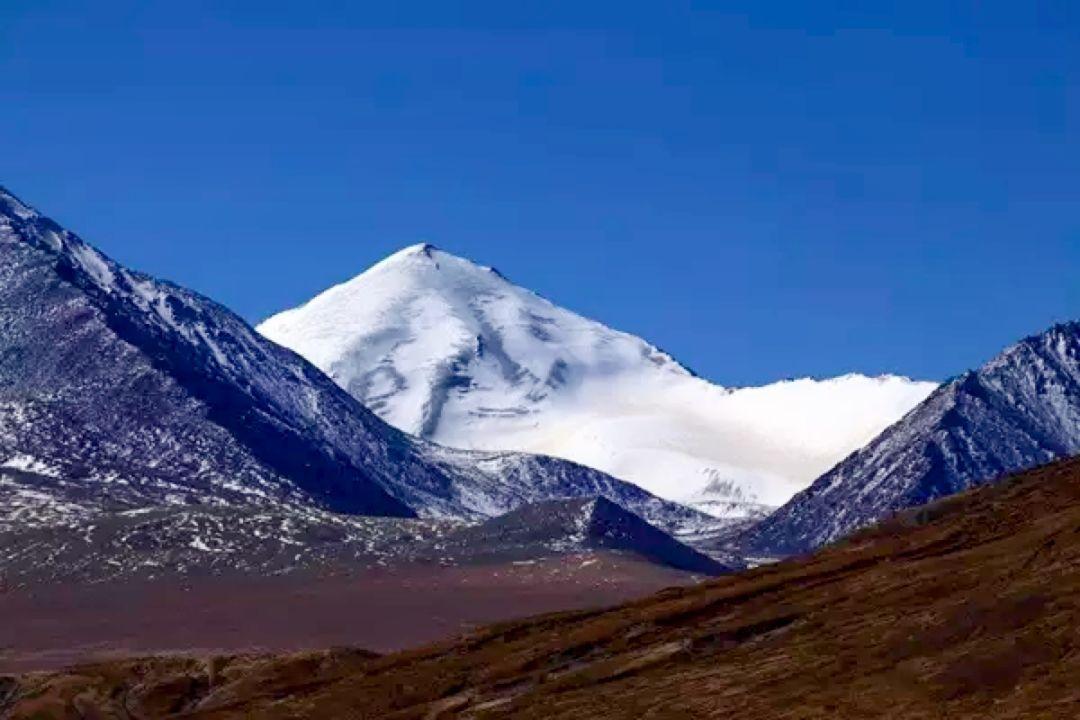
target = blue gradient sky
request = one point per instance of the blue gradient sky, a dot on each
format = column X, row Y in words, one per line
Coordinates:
column 763, row 189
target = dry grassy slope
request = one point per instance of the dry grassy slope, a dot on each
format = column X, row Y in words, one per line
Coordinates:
column 966, row 608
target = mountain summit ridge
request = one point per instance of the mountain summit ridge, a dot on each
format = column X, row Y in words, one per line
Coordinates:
column 448, row 349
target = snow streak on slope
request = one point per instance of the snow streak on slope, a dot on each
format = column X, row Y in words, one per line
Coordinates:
column 1019, row 410
column 449, row 350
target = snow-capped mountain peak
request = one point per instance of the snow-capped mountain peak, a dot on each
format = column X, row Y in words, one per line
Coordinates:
column 434, row 343
column 451, row 350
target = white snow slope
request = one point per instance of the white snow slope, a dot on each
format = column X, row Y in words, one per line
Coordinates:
column 452, row 351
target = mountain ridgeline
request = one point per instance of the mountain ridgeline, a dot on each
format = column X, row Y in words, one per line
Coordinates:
column 1017, row 411
column 119, row 391
column 446, row 349
column 151, row 393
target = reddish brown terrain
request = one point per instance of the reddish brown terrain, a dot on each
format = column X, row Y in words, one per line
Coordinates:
column 54, row 625
column 968, row 608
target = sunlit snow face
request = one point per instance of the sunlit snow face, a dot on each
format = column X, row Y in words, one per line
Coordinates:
column 441, row 347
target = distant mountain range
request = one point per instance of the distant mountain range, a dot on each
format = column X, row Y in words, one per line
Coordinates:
column 142, row 425
column 1019, row 410
column 452, row 351
column 120, row 392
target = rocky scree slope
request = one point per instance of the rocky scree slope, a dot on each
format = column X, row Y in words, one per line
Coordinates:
column 1019, row 410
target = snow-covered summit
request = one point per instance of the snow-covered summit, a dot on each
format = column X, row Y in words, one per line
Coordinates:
column 445, row 348
column 407, row 336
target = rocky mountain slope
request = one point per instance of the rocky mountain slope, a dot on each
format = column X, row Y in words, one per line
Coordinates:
column 578, row 525
column 1019, row 410
column 121, row 392
column 199, row 541
column 966, row 608
column 452, row 351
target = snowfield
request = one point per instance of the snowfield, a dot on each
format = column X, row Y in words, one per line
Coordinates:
column 452, row 351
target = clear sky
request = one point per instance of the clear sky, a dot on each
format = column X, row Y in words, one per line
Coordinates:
column 764, row 189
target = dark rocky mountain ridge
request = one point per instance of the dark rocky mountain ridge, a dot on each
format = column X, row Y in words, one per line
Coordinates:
column 122, row 392
column 1020, row 409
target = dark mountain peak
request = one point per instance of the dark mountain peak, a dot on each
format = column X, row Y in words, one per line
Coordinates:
column 1067, row 330
column 606, row 518
column 1049, row 340
column 1020, row 409
column 599, row 508
column 163, row 388
column 577, row 525
column 111, row 375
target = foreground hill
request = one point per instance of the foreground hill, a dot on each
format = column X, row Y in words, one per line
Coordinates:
column 193, row 542
column 449, row 350
column 581, row 524
column 966, row 608
column 119, row 391
column 1017, row 411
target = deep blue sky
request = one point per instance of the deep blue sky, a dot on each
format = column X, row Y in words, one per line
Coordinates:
column 763, row 189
